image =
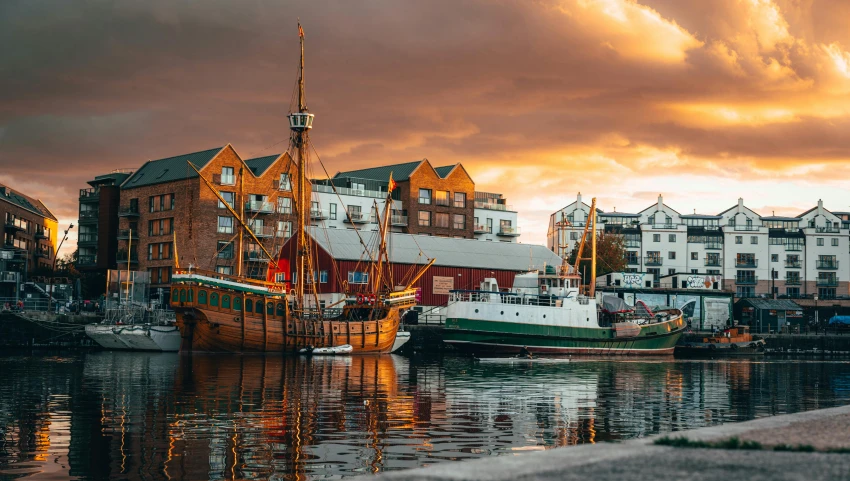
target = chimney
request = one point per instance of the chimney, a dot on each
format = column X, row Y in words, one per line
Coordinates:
column 740, row 204
column 820, row 206
column 660, row 202
column 578, row 199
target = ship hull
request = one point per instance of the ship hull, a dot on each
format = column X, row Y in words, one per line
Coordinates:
column 490, row 337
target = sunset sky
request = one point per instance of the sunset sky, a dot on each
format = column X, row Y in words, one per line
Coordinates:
column 701, row 101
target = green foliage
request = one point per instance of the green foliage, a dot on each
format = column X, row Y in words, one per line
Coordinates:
column 803, row 448
column 610, row 255
column 731, row 443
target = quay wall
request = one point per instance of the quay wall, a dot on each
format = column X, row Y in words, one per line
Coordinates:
column 44, row 329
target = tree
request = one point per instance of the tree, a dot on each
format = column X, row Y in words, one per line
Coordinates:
column 610, row 255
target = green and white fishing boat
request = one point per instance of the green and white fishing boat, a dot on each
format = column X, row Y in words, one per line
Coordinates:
column 545, row 312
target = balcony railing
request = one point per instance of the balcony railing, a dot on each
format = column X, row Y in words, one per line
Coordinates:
column 125, row 234
column 793, row 281
column 793, row 248
column 827, row 282
column 374, row 194
column 318, row 213
column 254, row 256
column 664, row 226
column 653, row 261
column 827, row 230
column 713, row 261
column 87, row 238
column 89, row 195
column 493, row 206
column 122, row 257
column 827, row 264
column 260, row 206
column 263, row 230
column 356, row 218
column 45, row 254
column 796, row 264
column 632, row 244
column 8, row 276
column 128, row 211
column 480, row 229
column 747, row 280
column 633, row 261
column 40, row 234
column 509, row 231
column 746, row 262
column 715, row 246
column 15, row 225
column 88, row 216
column 400, row 220
column 746, row 228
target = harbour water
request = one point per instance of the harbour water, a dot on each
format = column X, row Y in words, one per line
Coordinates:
column 176, row 417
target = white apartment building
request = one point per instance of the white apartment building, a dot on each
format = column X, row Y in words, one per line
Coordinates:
column 803, row 256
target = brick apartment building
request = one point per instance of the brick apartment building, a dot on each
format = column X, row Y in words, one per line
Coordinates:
column 29, row 239
column 165, row 199
column 97, row 237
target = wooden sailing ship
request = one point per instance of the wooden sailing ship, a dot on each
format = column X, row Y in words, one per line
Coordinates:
column 234, row 313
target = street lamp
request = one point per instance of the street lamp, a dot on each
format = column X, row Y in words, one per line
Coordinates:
column 817, row 321
column 53, row 269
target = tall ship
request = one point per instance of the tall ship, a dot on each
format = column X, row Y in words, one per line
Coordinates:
column 546, row 312
column 235, row 313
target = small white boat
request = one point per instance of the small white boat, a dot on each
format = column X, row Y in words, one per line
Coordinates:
column 328, row 351
column 401, row 339
column 523, row 360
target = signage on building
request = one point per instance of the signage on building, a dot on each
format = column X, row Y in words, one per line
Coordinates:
column 793, row 313
column 442, row 285
column 702, row 282
column 633, row 280
column 418, row 294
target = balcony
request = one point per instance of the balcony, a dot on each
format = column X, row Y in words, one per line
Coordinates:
column 128, row 211
column 713, row 261
column 714, row 246
column 480, row 229
column 632, row 244
column 664, row 226
column 633, row 261
column 224, row 179
column 87, row 238
column 88, row 216
column 398, row 220
column 746, row 262
column 747, row 280
column 827, row 264
column 827, row 282
column 374, row 194
column 827, row 230
column 318, row 214
column 12, row 255
column 40, row 234
column 509, row 231
column 356, row 218
column 746, row 228
column 8, row 276
column 123, row 257
column 43, row 254
column 254, row 256
column 653, row 261
column 89, row 195
column 15, row 225
column 261, row 231
column 127, row 234
column 793, row 281
column 793, row 264
column 260, row 207
column 492, row 206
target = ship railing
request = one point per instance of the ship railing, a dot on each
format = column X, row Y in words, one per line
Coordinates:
column 228, row 277
column 505, row 298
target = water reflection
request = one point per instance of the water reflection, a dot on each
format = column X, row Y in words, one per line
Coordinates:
column 170, row 417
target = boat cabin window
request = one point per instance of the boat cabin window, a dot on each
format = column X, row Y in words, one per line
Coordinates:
column 280, row 311
column 237, row 303
column 190, row 295
column 249, row 305
column 225, row 302
column 270, row 309
column 214, row 299
column 182, row 295
column 202, row 297
column 174, row 295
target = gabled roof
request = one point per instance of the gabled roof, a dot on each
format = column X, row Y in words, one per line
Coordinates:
column 445, row 170
column 400, row 172
column 25, row 202
column 170, row 169
column 344, row 244
column 261, row 164
column 773, row 304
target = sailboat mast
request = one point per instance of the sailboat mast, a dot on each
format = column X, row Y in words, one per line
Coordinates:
column 593, row 251
column 301, row 203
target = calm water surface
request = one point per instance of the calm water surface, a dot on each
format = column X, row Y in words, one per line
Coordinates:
column 171, row 417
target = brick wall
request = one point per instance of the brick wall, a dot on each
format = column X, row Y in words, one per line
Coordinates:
column 426, row 178
column 36, row 244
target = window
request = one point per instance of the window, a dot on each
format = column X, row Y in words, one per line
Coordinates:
column 835, row 242
column 269, row 308
column 158, row 203
column 356, row 277
column 441, row 220
column 237, row 303
column 792, row 291
column 754, row 239
column 774, row 258
column 656, row 237
column 225, row 301
column 284, row 229
column 332, row 211
column 442, row 198
column 460, row 199
column 424, row 218
column 284, row 205
column 321, row 276
column 670, row 272
column 225, row 250
column 159, row 251
column 459, row 222
column 249, row 305
column 354, row 212
column 694, row 271
column 160, row 226
column 284, row 183
column 160, row 275
column 739, row 239
column 425, row 196
column 227, row 177
column 229, row 197
column 489, row 226
column 820, row 241
column 574, row 236
column 671, row 255
column 632, row 258
column 671, row 237
column 214, row 299
column 202, row 297
column 225, row 225
column 694, row 256
column 224, row 270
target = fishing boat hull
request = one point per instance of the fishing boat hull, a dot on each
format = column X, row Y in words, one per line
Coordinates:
column 140, row 337
column 483, row 337
column 401, row 339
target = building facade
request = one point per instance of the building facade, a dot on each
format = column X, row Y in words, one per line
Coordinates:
column 29, row 240
column 97, row 238
column 427, row 200
column 168, row 213
column 754, row 255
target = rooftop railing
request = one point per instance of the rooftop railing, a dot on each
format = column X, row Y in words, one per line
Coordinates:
column 492, row 206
